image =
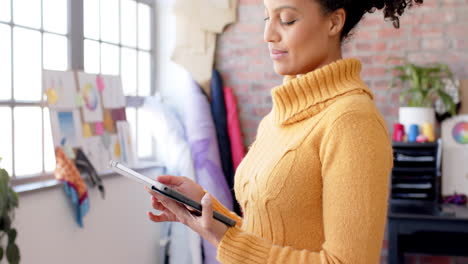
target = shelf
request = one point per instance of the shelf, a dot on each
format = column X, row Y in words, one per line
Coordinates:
column 414, row 145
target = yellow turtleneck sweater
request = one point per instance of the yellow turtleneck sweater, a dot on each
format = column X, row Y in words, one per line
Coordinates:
column 314, row 185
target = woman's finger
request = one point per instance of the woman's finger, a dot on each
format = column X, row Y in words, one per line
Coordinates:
column 170, row 180
column 207, row 211
column 156, row 204
column 164, row 217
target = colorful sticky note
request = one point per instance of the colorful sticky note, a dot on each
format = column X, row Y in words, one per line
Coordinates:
column 106, row 140
column 108, row 122
column 79, row 100
column 99, row 128
column 99, row 83
column 117, row 151
column 119, row 114
column 52, row 96
column 87, row 130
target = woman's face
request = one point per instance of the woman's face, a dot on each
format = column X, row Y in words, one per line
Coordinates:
column 298, row 35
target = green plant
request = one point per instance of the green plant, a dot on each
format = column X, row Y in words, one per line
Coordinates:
column 8, row 202
column 424, row 85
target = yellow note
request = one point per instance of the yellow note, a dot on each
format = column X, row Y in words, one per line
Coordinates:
column 108, row 122
column 117, row 151
column 52, row 96
column 87, row 130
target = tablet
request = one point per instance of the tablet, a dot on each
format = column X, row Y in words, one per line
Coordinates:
column 166, row 191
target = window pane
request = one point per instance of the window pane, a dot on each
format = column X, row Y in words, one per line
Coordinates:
column 91, row 19
column 27, row 13
column 109, row 59
column 55, row 52
column 55, row 15
column 91, row 56
column 5, row 62
column 27, row 64
column 110, row 20
column 5, row 10
column 144, row 26
column 49, row 153
column 5, row 139
column 144, row 134
column 128, row 71
column 28, row 140
column 144, row 71
column 128, row 22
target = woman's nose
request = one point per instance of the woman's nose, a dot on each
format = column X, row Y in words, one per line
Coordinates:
column 270, row 33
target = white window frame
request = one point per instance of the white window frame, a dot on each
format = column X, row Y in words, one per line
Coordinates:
column 75, row 37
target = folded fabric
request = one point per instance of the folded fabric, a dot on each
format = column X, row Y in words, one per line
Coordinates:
column 75, row 187
column 234, row 130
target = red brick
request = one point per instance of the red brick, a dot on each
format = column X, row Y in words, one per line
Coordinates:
column 386, row 33
column 457, row 30
column 435, row 44
column 427, row 31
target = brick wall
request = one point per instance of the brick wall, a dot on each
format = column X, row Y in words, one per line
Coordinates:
column 434, row 32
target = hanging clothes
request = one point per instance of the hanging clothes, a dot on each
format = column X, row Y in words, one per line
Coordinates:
column 234, row 130
column 218, row 109
column 176, row 156
column 201, row 134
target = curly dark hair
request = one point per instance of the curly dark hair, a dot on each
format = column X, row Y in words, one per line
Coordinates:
column 355, row 10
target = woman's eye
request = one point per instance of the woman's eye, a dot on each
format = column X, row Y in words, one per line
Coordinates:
column 266, row 18
column 289, row 23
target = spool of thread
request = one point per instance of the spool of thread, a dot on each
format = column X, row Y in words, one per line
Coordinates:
column 413, row 133
column 428, row 131
column 398, row 132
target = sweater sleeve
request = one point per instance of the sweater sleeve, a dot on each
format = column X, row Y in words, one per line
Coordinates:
column 356, row 160
column 218, row 206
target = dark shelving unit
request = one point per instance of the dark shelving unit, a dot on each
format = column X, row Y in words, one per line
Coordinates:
column 415, row 181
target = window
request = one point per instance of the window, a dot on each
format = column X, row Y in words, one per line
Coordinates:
column 40, row 34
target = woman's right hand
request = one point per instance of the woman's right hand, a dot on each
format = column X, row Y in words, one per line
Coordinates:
column 183, row 185
column 202, row 223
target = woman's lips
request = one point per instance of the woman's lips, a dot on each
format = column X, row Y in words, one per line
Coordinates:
column 277, row 54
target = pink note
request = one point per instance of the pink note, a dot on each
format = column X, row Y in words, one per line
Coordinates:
column 99, row 83
column 99, row 128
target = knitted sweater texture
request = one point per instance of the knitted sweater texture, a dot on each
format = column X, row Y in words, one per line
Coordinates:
column 314, row 185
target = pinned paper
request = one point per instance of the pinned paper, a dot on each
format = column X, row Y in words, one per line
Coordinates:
column 106, row 140
column 60, row 88
column 112, row 96
column 117, row 151
column 51, row 96
column 79, row 100
column 119, row 114
column 99, row 128
column 66, row 128
column 87, row 130
column 100, row 83
column 108, row 122
column 92, row 108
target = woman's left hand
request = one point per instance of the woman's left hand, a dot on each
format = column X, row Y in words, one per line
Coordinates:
column 172, row 211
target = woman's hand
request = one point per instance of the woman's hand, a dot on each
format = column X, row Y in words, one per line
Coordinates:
column 172, row 211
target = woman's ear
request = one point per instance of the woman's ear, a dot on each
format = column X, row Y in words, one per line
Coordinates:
column 337, row 20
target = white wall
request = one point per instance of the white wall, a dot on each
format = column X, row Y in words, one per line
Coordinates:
column 116, row 230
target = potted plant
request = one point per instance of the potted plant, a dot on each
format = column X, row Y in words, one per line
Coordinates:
column 424, row 89
column 8, row 203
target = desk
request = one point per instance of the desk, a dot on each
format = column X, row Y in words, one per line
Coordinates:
column 442, row 233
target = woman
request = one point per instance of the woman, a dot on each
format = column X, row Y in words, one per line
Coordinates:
column 314, row 184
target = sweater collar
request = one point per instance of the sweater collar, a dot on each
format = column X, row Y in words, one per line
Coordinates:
column 302, row 97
